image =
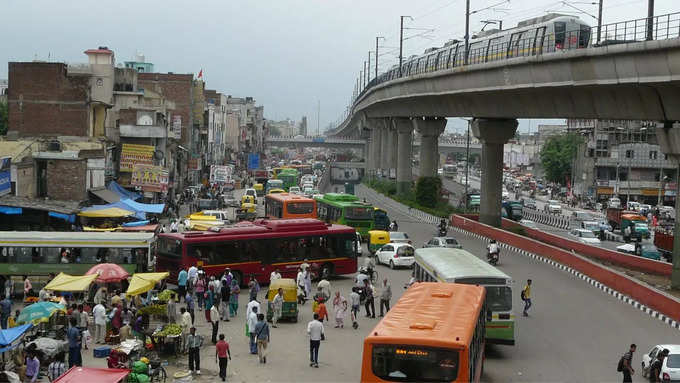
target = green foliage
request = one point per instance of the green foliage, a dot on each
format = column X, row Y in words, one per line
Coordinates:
column 558, row 154
column 519, row 230
column 428, row 190
column 4, row 118
column 389, row 188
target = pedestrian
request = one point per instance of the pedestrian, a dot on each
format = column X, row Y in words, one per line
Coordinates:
column 83, row 321
column 233, row 298
column 189, row 300
column 172, row 309
column 252, row 323
column 626, row 364
column 355, row 302
column 225, row 295
column 526, row 297
column 116, row 319
column 209, row 303
column 185, row 322
column 316, row 335
column 277, row 305
column 215, row 320
column 74, row 345
column 254, row 287
column 57, row 368
column 655, row 367
column 28, row 287
column 199, row 287
column 194, row 343
column 182, row 278
column 322, row 310
column 274, row 276
column 369, row 304
column 262, row 336
column 193, row 276
column 99, row 313
column 32, row 366
column 127, row 316
column 221, row 354
column 340, row 309
column 385, row 296
column 5, row 311
column 308, row 281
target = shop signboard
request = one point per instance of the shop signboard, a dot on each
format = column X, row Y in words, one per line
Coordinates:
column 5, row 175
column 253, row 161
column 150, row 178
column 220, row 173
column 132, row 155
column 177, row 126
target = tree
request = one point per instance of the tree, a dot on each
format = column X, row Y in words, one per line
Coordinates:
column 427, row 191
column 4, row 118
column 557, row 156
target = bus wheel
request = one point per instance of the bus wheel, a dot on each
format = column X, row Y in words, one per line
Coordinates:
column 326, row 271
column 238, row 277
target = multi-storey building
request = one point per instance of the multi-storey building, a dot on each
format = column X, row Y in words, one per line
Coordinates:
column 622, row 158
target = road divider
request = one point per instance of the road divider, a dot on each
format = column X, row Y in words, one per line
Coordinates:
column 558, row 221
column 657, row 303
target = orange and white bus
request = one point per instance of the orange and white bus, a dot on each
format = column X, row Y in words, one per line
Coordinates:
column 286, row 205
column 435, row 333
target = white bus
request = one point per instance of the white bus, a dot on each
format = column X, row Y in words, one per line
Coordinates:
column 459, row 266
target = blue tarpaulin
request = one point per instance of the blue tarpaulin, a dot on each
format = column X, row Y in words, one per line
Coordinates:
column 122, row 192
column 8, row 336
column 66, row 217
column 136, row 223
column 145, row 207
column 10, row 210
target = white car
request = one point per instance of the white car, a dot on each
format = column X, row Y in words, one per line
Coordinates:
column 294, row 190
column 396, row 254
column 553, row 207
column 308, row 191
column 528, row 223
column 585, row 236
column 670, row 369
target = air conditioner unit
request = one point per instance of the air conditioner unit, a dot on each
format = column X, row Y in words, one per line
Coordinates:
column 54, row 146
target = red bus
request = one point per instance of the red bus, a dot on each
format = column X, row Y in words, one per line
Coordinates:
column 260, row 247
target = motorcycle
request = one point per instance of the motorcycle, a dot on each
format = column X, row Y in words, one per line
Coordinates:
column 492, row 258
column 442, row 232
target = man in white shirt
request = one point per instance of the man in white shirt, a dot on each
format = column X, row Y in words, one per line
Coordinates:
column 250, row 306
column 316, row 333
column 274, row 276
column 252, row 322
column 99, row 313
column 193, row 274
column 185, row 322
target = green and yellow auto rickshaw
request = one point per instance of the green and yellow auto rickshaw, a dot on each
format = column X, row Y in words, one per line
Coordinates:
column 376, row 239
column 290, row 301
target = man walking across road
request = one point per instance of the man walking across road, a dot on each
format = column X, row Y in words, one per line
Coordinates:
column 99, row 313
column 252, row 323
column 262, row 335
column 277, row 305
column 316, row 334
column 182, row 279
column 215, row 321
column 627, row 364
column 225, row 294
column 526, row 297
column 74, row 344
column 194, row 343
column 370, row 301
column 385, row 296
column 221, row 354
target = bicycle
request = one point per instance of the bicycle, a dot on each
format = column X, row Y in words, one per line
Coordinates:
column 157, row 372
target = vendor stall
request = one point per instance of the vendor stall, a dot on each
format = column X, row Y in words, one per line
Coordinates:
column 143, row 282
column 65, row 282
column 108, row 273
column 87, row 374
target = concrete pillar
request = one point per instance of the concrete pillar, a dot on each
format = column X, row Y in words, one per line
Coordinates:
column 493, row 133
column 429, row 129
column 404, row 130
column 392, row 156
column 384, row 148
column 376, row 143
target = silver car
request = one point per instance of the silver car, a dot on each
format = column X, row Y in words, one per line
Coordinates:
column 399, row 237
column 448, row 242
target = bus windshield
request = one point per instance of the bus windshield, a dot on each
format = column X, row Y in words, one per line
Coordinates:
column 300, row 207
column 499, row 298
column 414, row 363
column 358, row 213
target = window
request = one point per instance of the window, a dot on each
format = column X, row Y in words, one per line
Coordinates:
column 387, row 248
column 630, row 153
column 407, row 363
column 560, row 34
column 300, row 207
column 652, row 154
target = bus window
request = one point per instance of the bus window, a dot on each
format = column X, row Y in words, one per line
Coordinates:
column 405, row 363
column 499, row 298
column 300, row 207
column 560, row 31
column 170, row 247
column 358, row 213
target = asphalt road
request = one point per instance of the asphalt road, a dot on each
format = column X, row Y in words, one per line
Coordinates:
column 575, row 332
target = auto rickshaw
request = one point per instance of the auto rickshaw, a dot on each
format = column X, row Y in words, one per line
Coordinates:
column 290, row 299
column 376, row 239
column 276, row 191
column 259, row 189
column 247, row 199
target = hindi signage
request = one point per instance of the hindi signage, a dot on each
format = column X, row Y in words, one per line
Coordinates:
column 150, row 178
column 132, row 155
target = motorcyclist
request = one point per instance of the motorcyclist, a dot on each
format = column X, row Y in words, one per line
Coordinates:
column 369, row 267
column 443, row 226
column 492, row 248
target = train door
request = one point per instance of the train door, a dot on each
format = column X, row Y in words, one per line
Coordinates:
column 540, row 36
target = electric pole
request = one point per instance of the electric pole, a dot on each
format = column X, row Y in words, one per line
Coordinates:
column 467, row 32
column 318, row 116
column 401, row 41
column 650, row 19
column 369, row 67
column 599, row 21
column 365, row 73
column 377, row 55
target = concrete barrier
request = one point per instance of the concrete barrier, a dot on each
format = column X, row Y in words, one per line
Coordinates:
column 620, row 282
column 556, row 220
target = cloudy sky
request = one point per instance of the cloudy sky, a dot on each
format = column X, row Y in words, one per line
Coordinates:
column 288, row 54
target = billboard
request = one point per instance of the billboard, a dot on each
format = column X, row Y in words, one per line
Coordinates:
column 150, row 178
column 5, row 175
column 220, row 173
column 177, row 126
column 131, row 155
column 253, row 161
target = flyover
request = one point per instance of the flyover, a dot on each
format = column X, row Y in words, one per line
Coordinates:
column 631, row 77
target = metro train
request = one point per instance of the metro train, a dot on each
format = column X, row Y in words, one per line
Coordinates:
column 550, row 33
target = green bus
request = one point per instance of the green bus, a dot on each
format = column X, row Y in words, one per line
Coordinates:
column 346, row 209
column 290, row 177
column 460, row 266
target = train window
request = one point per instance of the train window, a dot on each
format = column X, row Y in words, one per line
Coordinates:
column 513, row 47
column 450, row 60
column 583, row 36
column 540, row 35
column 494, row 49
column 560, row 34
column 439, row 60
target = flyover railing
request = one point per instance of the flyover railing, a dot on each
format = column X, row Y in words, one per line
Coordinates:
column 531, row 42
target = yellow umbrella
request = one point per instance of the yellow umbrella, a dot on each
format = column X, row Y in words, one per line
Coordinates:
column 143, row 282
column 112, row 212
column 65, row 282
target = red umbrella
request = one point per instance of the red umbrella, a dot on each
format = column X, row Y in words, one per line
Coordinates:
column 108, row 272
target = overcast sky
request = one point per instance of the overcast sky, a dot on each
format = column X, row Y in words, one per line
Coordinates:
column 287, row 54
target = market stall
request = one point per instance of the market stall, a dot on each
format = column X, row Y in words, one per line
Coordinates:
column 70, row 283
column 87, row 374
column 108, row 273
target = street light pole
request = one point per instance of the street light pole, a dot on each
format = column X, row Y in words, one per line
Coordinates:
column 376, row 54
column 467, row 32
column 369, row 67
column 599, row 21
column 401, row 41
column 650, row 19
column 467, row 164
